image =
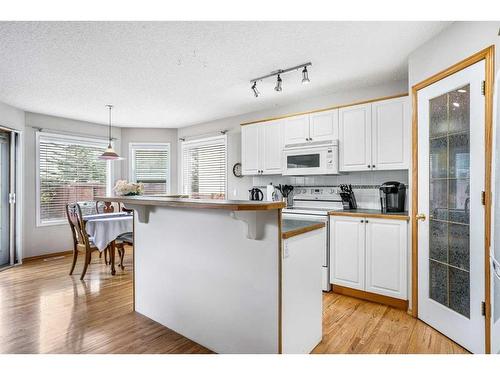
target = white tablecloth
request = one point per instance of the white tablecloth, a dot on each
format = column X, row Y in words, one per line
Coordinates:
column 104, row 228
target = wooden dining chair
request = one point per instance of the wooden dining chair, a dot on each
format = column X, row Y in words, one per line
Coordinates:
column 120, row 242
column 81, row 240
column 103, row 207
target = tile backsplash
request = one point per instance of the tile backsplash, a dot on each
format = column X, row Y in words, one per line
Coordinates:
column 365, row 184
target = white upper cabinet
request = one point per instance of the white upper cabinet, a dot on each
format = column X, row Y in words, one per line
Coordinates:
column 355, row 138
column 391, row 134
column 296, row 130
column 250, row 149
column 386, row 253
column 272, row 147
column 261, row 148
column 374, row 136
column 324, row 126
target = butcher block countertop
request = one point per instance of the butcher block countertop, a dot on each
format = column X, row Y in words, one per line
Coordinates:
column 291, row 228
column 231, row 205
column 377, row 214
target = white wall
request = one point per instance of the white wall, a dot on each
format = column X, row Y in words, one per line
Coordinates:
column 151, row 135
column 455, row 43
column 11, row 117
column 238, row 187
column 50, row 239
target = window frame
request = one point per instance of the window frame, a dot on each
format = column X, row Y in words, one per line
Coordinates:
column 132, row 146
column 76, row 139
column 204, row 140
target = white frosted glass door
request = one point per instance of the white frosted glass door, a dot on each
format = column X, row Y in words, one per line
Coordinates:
column 451, row 164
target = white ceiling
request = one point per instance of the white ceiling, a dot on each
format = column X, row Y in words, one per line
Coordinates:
column 174, row 74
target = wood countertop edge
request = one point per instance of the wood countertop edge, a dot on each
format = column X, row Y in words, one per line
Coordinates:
column 180, row 202
column 296, row 232
column 370, row 215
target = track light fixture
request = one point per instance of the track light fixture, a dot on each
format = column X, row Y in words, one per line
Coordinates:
column 305, row 76
column 278, row 84
column 254, row 89
column 279, row 80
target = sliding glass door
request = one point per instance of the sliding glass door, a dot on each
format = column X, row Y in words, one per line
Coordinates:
column 5, row 248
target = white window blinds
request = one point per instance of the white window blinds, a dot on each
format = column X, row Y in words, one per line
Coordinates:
column 68, row 171
column 204, row 167
column 150, row 164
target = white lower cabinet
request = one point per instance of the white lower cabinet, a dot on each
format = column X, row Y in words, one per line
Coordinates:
column 369, row 254
column 347, row 247
column 386, row 253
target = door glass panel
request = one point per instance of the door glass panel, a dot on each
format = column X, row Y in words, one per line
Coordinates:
column 303, row 161
column 4, row 199
column 449, row 202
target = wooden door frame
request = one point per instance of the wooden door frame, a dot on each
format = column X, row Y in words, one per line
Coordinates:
column 488, row 55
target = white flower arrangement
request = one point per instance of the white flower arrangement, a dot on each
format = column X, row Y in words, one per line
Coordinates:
column 123, row 187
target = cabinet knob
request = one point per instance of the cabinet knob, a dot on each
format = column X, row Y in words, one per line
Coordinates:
column 373, row 166
column 362, row 221
column 368, row 166
column 366, row 221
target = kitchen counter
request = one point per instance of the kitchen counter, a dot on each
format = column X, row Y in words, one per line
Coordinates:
column 232, row 205
column 291, row 228
column 361, row 212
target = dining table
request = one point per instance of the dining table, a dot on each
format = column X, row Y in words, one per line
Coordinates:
column 103, row 229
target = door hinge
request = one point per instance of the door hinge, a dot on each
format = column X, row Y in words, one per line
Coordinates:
column 483, row 308
column 12, row 198
column 483, row 198
column 483, row 87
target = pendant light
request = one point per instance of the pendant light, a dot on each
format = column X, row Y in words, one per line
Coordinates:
column 110, row 153
column 305, row 76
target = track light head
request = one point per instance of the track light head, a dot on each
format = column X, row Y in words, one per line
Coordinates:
column 254, row 89
column 278, row 87
column 305, row 76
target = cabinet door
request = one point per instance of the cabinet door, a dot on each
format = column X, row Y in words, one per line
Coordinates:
column 391, row 134
column 250, row 149
column 347, row 252
column 324, row 126
column 296, row 130
column 272, row 148
column 355, row 138
column 386, row 254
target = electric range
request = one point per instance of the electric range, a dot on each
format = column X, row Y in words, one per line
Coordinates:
column 314, row 204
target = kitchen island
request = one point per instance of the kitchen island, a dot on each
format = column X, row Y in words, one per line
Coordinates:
column 212, row 270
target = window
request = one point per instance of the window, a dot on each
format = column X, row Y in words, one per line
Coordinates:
column 68, row 170
column 150, row 164
column 204, row 167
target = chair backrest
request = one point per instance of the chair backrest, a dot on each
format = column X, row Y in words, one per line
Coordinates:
column 102, row 207
column 76, row 223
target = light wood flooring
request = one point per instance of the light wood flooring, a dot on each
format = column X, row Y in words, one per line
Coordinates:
column 43, row 310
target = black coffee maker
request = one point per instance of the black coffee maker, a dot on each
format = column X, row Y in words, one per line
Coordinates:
column 392, row 196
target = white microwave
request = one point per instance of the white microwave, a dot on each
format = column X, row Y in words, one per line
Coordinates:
column 311, row 159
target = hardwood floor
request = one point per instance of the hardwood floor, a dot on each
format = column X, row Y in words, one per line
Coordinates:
column 43, row 310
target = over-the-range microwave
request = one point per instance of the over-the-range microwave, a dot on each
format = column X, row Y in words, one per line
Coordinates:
column 311, row 159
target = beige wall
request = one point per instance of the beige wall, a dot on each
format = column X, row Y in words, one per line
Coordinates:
column 53, row 238
column 151, row 135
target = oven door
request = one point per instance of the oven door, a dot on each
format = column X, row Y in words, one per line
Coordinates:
column 304, row 162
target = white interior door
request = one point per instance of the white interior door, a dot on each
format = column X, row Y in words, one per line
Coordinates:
column 451, row 164
column 495, row 246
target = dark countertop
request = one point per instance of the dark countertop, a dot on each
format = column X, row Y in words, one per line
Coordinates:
column 291, row 228
column 362, row 212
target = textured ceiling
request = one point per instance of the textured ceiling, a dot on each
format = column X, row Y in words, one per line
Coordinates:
column 174, row 74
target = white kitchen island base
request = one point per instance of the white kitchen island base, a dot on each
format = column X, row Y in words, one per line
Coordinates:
column 212, row 271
